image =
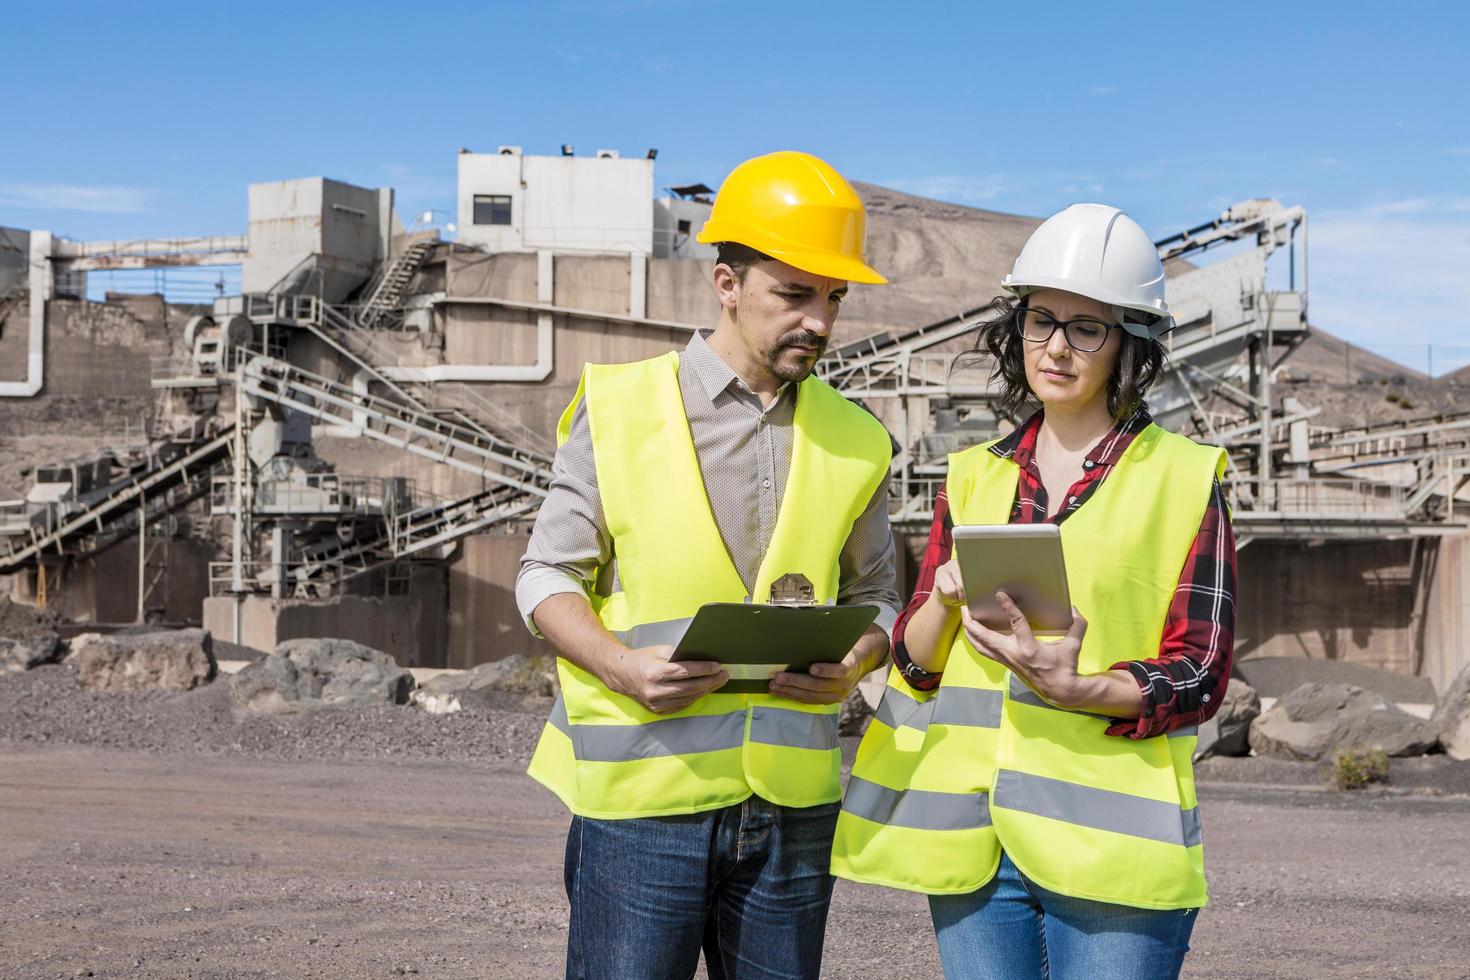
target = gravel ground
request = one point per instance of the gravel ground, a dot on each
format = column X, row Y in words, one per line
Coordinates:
column 166, row 835
column 45, row 706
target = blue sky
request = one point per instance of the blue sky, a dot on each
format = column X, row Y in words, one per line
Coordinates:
column 149, row 120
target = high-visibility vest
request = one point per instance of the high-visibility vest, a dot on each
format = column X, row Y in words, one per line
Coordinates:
column 945, row 780
column 602, row 753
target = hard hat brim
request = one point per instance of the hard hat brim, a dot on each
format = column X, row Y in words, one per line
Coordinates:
column 831, row 266
column 817, row 263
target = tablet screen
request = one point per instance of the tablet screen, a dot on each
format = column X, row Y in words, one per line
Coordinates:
column 1022, row 560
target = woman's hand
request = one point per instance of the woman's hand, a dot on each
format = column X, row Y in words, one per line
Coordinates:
column 949, row 589
column 1048, row 668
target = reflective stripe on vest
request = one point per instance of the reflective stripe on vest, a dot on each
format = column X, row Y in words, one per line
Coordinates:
column 916, row 808
column 951, row 706
column 692, row 734
column 605, row 755
column 1080, row 812
column 1100, row 809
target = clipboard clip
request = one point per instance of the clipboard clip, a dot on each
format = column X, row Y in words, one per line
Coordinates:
column 793, row 589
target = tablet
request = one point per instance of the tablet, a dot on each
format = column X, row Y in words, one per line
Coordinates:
column 1025, row 562
column 755, row 642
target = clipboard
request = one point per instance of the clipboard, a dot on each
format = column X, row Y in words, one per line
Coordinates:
column 754, row 642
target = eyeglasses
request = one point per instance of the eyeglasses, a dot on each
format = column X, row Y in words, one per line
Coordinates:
column 1084, row 333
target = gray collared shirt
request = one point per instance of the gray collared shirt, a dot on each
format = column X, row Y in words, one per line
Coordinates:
column 744, row 453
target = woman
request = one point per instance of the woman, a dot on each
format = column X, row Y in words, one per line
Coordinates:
column 1042, row 793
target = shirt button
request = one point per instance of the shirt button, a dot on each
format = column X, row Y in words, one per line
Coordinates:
column 1206, row 697
column 1071, row 500
column 766, row 484
column 1088, row 465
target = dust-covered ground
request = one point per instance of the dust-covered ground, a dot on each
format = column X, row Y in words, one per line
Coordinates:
column 161, row 835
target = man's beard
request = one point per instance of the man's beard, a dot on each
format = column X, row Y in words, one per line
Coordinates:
column 803, row 368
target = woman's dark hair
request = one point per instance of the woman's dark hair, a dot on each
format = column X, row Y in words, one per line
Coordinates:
column 1140, row 362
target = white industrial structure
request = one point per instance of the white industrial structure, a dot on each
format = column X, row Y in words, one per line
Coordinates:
column 346, row 324
column 512, row 202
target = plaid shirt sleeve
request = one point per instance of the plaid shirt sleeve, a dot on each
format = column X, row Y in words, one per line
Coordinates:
column 1185, row 684
column 936, row 553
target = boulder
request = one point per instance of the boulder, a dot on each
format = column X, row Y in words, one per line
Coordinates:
column 19, row 621
column 1452, row 717
column 1315, row 721
column 271, row 685
column 1228, row 733
column 519, row 673
column 178, row 660
column 18, row 655
column 318, row 672
column 854, row 715
column 436, row 702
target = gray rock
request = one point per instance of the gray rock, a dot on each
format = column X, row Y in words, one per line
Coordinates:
column 271, row 685
column 854, row 715
column 1228, row 733
column 1317, row 720
column 1452, row 717
column 317, row 672
column 178, row 660
column 19, row 621
column 450, row 682
column 517, row 674
column 18, row 655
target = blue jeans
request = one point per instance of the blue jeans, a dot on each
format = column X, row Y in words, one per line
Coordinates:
column 1013, row 929
column 748, row 883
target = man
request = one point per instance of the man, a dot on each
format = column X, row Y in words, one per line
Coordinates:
column 705, row 819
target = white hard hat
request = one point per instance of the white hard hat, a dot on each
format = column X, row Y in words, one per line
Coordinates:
column 1099, row 252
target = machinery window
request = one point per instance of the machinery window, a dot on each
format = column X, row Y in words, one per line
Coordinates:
column 684, row 226
column 492, row 209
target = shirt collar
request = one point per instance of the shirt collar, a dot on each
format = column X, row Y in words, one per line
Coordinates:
column 714, row 375
column 1020, row 445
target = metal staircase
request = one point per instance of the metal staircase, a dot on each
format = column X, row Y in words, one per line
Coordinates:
column 455, row 402
column 385, row 293
column 408, row 427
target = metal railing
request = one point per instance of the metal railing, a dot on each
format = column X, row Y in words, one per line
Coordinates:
column 318, row 493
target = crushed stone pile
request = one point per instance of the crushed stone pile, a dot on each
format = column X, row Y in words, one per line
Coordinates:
column 19, row 621
column 47, row 707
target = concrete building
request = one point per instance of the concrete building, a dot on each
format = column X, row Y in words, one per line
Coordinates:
column 316, row 236
column 677, row 218
column 513, row 202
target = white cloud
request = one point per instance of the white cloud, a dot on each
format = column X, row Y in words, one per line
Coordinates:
column 73, row 197
column 1392, row 277
column 959, row 189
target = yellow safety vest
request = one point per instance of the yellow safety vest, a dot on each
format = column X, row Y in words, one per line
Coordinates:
column 602, row 753
column 945, row 780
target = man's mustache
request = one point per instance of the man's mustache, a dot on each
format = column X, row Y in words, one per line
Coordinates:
column 803, row 338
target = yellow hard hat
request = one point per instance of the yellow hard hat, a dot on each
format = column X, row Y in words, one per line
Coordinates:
column 794, row 207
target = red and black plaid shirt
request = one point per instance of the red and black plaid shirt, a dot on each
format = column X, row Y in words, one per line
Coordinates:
column 1185, row 683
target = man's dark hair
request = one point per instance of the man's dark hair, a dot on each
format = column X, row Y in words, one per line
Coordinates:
column 739, row 258
column 1140, row 362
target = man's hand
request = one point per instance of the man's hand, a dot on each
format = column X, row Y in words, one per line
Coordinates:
column 832, row 683
column 647, row 676
column 1049, row 669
